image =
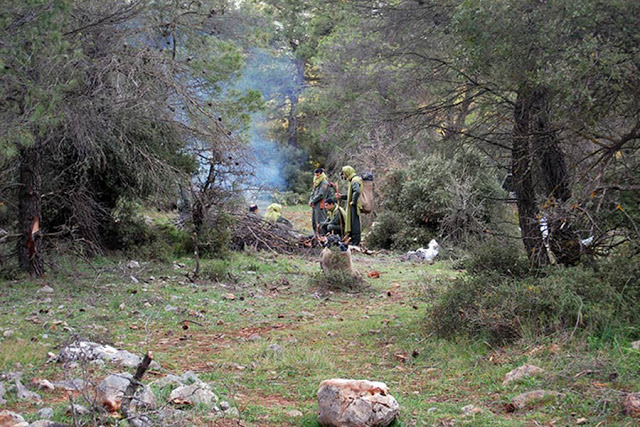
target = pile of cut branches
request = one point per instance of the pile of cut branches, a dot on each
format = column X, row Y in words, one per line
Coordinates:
column 256, row 233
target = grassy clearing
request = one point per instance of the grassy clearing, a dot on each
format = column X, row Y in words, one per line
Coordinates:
column 225, row 327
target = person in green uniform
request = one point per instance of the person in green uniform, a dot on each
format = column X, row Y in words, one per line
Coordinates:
column 352, row 221
column 336, row 217
column 317, row 199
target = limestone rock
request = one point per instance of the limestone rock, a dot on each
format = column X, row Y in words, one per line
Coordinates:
column 44, row 423
column 46, row 413
column 111, row 391
column 2, row 393
column 24, row 394
column 521, row 372
column 193, row 394
column 533, row 398
column 79, row 409
column 355, row 403
column 87, row 351
column 42, row 384
column 8, row 418
column 77, row 384
column 632, row 405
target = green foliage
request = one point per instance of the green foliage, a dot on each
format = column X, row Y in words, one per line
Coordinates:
column 436, row 196
column 215, row 270
column 337, row 280
column 502, row 258
column 500, row 308
column 214, row 240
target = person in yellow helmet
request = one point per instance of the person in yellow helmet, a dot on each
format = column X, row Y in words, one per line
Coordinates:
column 274, row 214
column 352, row 221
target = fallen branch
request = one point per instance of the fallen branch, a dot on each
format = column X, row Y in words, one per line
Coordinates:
column 131, row 391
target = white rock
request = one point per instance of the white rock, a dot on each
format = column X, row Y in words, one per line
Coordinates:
column 45, row 290
column 521, row 372
column 193, row 394
column 133, row 264
column 355, row 403
column 24, row 394
column 111, row 391
column 8, row 418
column 43, row 423
column 46, row 413
column 8, row 333
column 80, row 410
column 635, row 345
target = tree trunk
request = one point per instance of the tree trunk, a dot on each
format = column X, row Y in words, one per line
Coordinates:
column 526, row 120
column 30, row 254
column 551, row 157
column 293, row 128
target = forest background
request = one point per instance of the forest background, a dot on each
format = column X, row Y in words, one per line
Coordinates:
column 507, row 130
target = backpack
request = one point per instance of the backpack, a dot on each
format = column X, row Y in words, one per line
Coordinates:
column 366, row 195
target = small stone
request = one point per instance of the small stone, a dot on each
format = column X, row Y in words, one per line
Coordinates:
column 193, row 394
column 133, row 264
column 224, row 405
column 122, row 306
column 42, row 384
column 523, row 371
column 432, row 410
column 581, row 421
column 229, row 297
column 46, row 413
column 470, row 410
column 631, row 405
column 134, row 280
column 355, row 403
column 79, row 409
column 24, row 394
column 45, row 290
column 8, row 418
column 232, row 413
column 294, row 413
column 635, row 345
column 254, row 337
column 275, row 349
column 8, row 333
column 533, row 398
column 45, row 336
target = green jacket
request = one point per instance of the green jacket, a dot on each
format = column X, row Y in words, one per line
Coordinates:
column 353, row 196
column 320, row 191
column 336, row 221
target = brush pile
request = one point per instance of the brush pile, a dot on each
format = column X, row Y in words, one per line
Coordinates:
column 251, row 231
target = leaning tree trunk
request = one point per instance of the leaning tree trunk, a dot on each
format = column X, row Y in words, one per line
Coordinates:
column 294, row 125
column 30, row 254
column 526, row 115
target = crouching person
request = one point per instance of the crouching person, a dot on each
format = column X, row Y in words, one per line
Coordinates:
column 334, row 224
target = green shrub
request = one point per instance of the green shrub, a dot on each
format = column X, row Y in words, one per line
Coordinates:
column 457, row 198
column 215, row 270
column 337, row 280
column 503, row 258
column 215, row 239
column 499, row 308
